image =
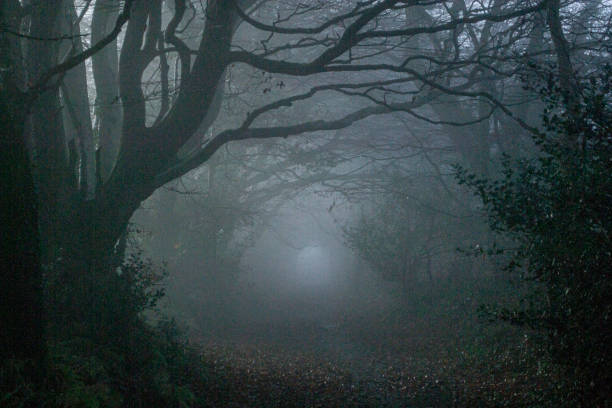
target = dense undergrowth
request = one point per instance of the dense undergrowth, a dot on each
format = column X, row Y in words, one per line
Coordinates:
column 101, row 350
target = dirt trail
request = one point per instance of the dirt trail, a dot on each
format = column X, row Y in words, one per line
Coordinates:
column 307, row 363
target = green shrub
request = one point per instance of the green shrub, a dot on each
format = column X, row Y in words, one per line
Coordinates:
column 556, row 209
column 102, row 351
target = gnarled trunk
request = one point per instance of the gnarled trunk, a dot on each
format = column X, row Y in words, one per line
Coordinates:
column 21, row 313
column 21, row 334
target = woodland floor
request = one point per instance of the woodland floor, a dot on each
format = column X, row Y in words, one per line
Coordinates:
column 414, row 362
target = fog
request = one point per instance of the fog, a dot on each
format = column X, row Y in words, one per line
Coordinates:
column 297, row 272
column 305, row 203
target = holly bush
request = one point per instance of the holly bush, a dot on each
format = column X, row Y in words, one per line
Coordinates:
column 556, row 210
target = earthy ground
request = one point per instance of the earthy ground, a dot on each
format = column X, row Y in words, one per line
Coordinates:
column 388, row 361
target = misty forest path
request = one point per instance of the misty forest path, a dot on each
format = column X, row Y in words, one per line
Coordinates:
column 328, row 351
column 321, row 364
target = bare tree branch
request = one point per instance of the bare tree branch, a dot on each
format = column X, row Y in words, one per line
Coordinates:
column 75, row 60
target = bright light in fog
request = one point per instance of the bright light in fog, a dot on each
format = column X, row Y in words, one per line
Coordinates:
column 313, row 267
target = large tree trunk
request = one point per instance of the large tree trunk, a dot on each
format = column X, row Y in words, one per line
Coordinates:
column 105, row 65
column 21, row 313
column 50, row 150
column 76, row 118
column 46, row 217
